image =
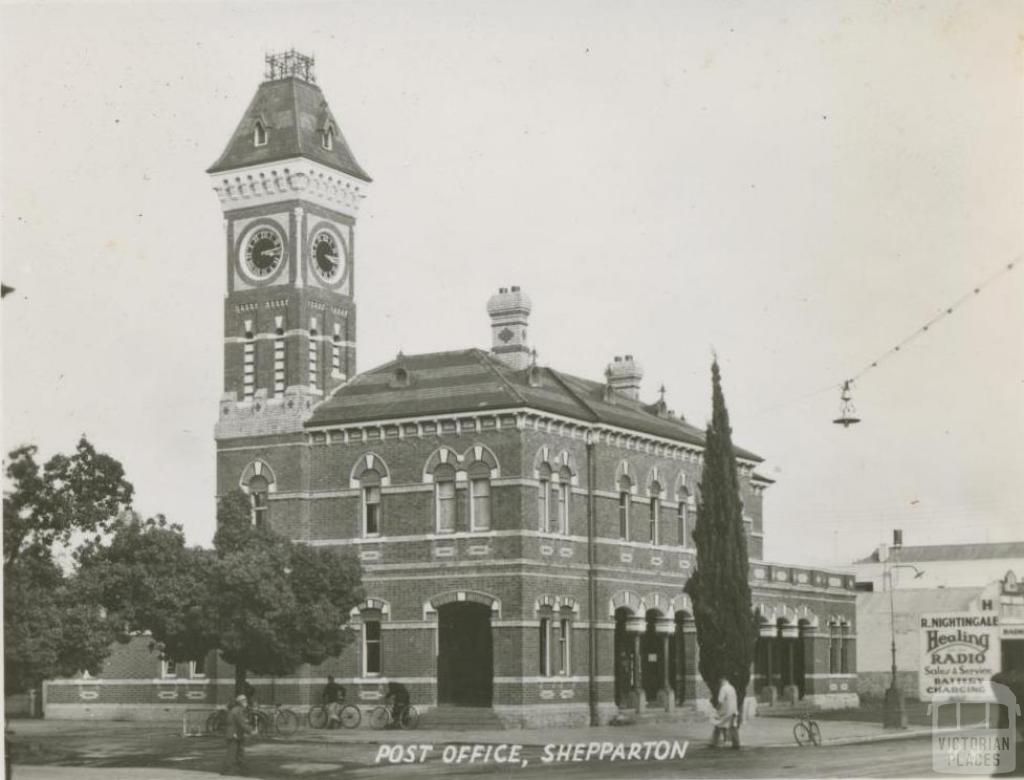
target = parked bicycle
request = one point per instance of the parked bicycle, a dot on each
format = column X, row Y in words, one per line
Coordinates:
column 283, row 720
column 385, row 716
column 217, row 721
column 348, row 715
column 806, row 731
column 264, row 721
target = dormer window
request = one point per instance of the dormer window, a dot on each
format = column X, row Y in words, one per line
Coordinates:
column 401, row 377
column 259, row 134
column 327, row 137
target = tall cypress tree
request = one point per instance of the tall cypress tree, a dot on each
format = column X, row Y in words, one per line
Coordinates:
column 719, row 587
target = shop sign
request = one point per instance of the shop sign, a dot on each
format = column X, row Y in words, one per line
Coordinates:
column 959, row 653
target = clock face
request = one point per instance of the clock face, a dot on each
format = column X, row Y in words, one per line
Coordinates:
column 263, row 252
column 328, row 256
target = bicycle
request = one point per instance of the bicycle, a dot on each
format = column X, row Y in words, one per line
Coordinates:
column 807, row 731
column 281, row 720
column 348, row 715
column 284, row 721
column 217, row 722
column 383, row 716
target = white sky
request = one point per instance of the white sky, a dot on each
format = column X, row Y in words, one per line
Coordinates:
column 798, row 185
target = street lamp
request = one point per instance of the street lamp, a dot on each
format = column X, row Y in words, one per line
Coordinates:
column 894, row 713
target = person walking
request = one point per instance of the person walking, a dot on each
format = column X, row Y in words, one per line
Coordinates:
column 237, row 730
column 727, row 720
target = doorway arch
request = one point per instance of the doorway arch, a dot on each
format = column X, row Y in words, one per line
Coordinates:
column 465, row 654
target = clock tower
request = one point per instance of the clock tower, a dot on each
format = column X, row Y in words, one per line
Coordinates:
column 290, row 189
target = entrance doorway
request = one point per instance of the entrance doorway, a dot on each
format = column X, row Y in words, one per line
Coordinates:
column 651, row 646
column 465, row 654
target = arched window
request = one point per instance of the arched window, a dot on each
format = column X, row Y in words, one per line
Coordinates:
column 564, row 654
column 259, row 489
column 259, row 134
column 444, row 498
column 479, row 496
column 373, row 656
column 369, row 474
column 564, row 494
column 327, row 138
column 544, row 499
column 555, row 643
column 370, row 486
column 625, row 489
column 683, row 516
column 655, row 516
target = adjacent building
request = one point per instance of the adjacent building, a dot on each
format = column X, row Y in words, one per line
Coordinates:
column 931, row 566
column 899, row 584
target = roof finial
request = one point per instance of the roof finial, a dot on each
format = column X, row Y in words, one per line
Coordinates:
column 289, row 64
column 533, row 358
column 661, row 392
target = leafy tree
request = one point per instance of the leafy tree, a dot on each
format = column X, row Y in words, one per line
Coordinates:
column 84, row 493
column 148, row 580
column 280, row 604
column 719, row 586
column 51, row 627
column 265, row 603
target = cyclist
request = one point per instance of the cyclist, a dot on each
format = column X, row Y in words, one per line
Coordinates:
column 396, row 698
column 332, row 698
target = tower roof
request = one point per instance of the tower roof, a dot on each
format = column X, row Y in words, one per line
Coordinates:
column 294, row 114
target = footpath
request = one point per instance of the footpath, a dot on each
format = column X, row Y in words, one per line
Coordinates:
column 96, row 743
column 757, row 732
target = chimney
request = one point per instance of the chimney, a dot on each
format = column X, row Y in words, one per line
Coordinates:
column 897, row 537
column 510, row 310
column 624, row 375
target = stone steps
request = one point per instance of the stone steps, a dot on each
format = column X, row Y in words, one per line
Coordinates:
column 683, row 713
column 456, row 718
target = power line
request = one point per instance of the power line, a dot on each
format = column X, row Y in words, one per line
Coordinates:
column 846, row 384
column 937, row 318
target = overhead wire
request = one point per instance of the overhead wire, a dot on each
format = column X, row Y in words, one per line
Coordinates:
column 937, row 318
column 846, row 384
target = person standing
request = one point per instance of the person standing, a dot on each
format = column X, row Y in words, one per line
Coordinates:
column 396, row 696
column 727, row 720
column 237, row 730
column 332, row 699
